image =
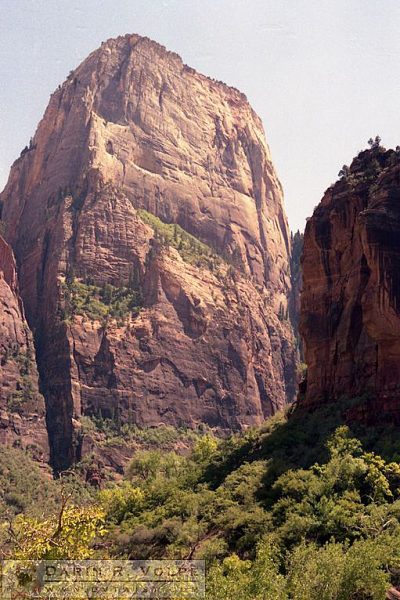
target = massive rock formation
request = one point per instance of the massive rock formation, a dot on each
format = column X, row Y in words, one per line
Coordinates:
column 350, row 313
column 135, row 319
column 22, row 414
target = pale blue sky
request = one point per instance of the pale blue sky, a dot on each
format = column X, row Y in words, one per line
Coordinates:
column 323, row 74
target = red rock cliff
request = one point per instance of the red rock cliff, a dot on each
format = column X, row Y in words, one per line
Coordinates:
column 22, row 413
column 350, row 307
column 132, row 133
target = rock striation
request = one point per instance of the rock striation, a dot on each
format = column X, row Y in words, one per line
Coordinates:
column 350, row 305
column 153, row 250
column 22, row 411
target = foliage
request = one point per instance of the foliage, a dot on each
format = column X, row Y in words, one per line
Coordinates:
column 99, row 302
column 239, row 501
column 30, row 508
column 374, row 143
column 22, row 395
column 344, row 172
column 26, row 488
column 115, row 433
column 67, row 535
column 205, row 449
column 257, row 580
column 24, row 392
column 367, row 167
column 300, row 509
column 121, row 501
column 23, row 485
column 147, row 465
column 191, row 249
column 338, row 571
column 331, row 572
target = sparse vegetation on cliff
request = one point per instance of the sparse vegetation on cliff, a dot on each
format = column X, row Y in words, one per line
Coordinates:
column 368, row 164
column 26, row 488
column 25, row 388
column 24, row 393
column 99, row 302
column 114, row 433
column 192, row 250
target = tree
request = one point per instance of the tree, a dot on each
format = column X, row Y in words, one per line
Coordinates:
column 336, row 572
column 204, row 449
column 374, row 143
column 257, row 580
column 68, row 535
column 344, row 172
column 121, row 501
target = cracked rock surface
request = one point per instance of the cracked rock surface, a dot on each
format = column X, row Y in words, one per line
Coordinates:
column 22, row 412
column 350, row 304
column 132, row 132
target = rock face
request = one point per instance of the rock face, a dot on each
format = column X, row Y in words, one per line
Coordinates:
column 350, row 309
column 179, row 319
column 22, row 413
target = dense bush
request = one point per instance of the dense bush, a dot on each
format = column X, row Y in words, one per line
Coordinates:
column 275, row 513
column 300, row 509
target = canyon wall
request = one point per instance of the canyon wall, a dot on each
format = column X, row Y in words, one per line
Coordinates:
column 22, row 411
column 153, row 250
column 350, row 310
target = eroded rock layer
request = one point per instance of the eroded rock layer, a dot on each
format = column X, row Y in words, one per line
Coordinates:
column 152, row 245
column 350, row 310
column 22, row 413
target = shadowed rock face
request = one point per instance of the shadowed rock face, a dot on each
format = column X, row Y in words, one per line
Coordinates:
column 350, row 310
column 22, row 414
column 134, row 131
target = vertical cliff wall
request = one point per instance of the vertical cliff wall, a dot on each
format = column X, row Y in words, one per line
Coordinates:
column 153, row 249
column 350, row 311
column 22, row 413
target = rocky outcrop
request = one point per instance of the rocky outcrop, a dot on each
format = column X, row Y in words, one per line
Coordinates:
column 152, row 245
column 22, row 414
column 350, row 310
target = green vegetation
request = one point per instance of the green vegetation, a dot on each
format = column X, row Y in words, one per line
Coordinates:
column 99, row 302
column 67, row 535
column 115, row 433
column 26, row 488
column 22, row 485
column 368, row 165
column 192, row 250
column 267, row 530
column 25, row 392
column 303, row 508
column 22, row 395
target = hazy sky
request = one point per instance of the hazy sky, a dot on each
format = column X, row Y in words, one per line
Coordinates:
column 324, row 75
